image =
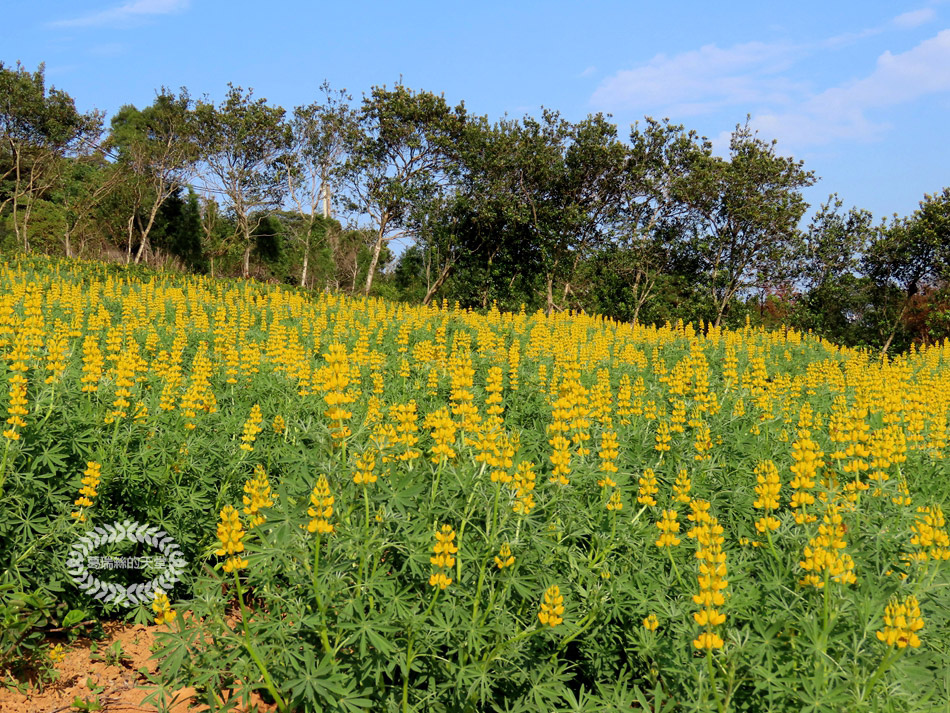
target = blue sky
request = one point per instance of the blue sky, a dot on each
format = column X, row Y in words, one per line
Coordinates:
column 859, row 90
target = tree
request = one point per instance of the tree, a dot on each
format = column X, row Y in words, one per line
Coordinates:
column 86, row 183
column 178, row 230
column 245, row 154
column 543, row 193
column 748, row 208
column 320, row 131
column 478, row 224
column 399, row 157
column 589, row 195
column 38, row 128
column 217, row 237
column 910, row 254
column 829, row 268
column 156, row 148
column 654, row 209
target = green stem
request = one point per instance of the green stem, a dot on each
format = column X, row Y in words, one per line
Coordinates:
column 324, row 639
column 494, row 512
column 3, row 464
column 478, row 592
column 768, row 535
column 469, row 509
column 410, row 655
column 365, row 542
column 435, row 482
column 252, row 650
column 889, row 658
column 676, row 570
column 712, row 681
column 585, row 625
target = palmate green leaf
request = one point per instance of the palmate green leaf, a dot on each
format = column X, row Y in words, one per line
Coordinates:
column 321, row 685
column 365, row 630
column 50, row 461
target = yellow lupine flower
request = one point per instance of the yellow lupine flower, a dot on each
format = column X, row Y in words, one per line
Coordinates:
column 365, row 465
column 648, row 488
column 230, row 534
column 90, row 481
column 257, row 495
column 321, row 508
column 708, row 641
column 443, row 559
column 615, row 502
column 252, row 427
column 552, row 607
column 164, row 614
column 902, row 621
column 668, row 526
column 504, row 558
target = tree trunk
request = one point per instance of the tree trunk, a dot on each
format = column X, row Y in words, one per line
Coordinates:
column 128, row 252
column 16, row 196
column 446, row 271
column 26, row 225
column 897, row 323
column 147, row 229
column 550, row 294
column 246, row 264
column 377, row 248
column 306, row 262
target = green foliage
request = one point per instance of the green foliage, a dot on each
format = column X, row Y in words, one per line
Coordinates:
column 348, row 620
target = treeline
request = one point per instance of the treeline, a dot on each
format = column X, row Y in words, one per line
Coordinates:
column 540, row 211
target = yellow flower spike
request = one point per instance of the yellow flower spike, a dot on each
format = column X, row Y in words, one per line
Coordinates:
column 650, row 623
column 663, row 437
column 442, row 559
column 164, row 614
column 321, row 508
column 504, row 558
column 365, row 465
column 230, row 533
column 552, row 607
column 90, row 481
column 615, row 502
column 648, row 487
column 708, row 641
column 902, row 621
column 257, row 495
column 440, row 580
column 668, row 526
column 682, row 487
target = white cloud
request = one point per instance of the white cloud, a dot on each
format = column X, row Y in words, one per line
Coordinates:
column 703, row 80
column 841, row 112
column 136, row 10
column 587, row 72
column 753, row 78
column 905, row 21
column 915, row 18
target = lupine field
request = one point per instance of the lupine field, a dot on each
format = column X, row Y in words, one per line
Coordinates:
column 387, row 507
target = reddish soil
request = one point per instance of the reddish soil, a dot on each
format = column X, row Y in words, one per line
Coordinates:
column 124, row 686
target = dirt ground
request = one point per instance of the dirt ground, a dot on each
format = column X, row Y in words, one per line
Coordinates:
column 123, row 685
